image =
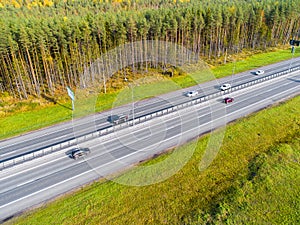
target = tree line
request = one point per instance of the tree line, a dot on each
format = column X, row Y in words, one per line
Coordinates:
column 45, row 45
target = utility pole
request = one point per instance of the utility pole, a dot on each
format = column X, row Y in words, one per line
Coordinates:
column 132, row 99
column 131, row 86
column 236, row 51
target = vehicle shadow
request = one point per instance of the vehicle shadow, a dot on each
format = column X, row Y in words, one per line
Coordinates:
column 217, row 87
column 109, row 119
column 221, row 100
column 293, row 79
column 69, row 153
column 112, row 118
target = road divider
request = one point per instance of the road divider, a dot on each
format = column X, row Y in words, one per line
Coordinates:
column 8, row 162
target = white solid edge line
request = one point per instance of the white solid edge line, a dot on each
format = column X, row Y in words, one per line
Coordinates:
column 128, row 155
column 56, row 159
column 52, row 132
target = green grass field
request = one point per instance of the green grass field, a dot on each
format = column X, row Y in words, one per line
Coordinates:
column 270, row 194
column 259, row 156
column 21, row 117
column 253, row 61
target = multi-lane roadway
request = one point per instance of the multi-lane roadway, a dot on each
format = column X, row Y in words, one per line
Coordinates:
column 68, row 131
column 36, row 181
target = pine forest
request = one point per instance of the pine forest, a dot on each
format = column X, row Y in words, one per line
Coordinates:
column 46, row 44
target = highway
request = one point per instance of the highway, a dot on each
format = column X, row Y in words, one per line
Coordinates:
column 67, row 131
column 39, row 180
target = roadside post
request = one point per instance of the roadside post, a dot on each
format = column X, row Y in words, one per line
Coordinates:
column 131, row 87
column 72, row 96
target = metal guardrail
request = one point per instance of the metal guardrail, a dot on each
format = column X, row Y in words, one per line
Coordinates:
column 41, row 152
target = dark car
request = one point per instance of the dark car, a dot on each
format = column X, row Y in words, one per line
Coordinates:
column 79, row 152
column 228, row 100
column 116, row 119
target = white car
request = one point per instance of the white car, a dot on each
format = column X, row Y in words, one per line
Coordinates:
column 259, row 72
column 225, row 87
column 192, row 93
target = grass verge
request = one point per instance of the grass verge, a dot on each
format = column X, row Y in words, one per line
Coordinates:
column 191, row 196
column 247, row 61
column 20, row 117
column 270, row 194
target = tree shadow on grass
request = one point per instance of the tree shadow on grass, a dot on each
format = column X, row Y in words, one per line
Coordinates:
column 50, row 99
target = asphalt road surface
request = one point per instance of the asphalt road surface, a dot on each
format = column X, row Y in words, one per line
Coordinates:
column 39, row 180
column 34, row 141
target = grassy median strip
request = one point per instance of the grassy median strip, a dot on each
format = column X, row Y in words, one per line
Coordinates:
column 194, row 197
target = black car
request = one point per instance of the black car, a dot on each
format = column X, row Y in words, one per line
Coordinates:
column 79, row 152
column 117, row 119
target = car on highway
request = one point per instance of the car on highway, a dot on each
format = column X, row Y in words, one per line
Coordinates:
column 228, row 100
column 79, row 152
column 117, row 119
column 225, row 87
column 192, row 93
column 259, row 72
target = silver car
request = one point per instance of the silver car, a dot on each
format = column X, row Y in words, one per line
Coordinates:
column 192, row 93
column 259, row 72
